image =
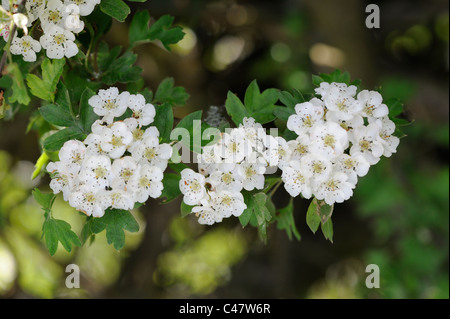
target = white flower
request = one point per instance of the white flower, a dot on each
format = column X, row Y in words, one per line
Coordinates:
column 366, row 141
column 58, row 43
column 149, row 151
column 73, row 153
column 316, row 167
column 25, row 46
column 72, row 21
column 86, row 6
column 252, row 175
column 118, row 199
column 35, row 9
column 192, row 186
column 334, row 189
column 299, row 147
column 63, row 177
column 116, row 139
column 147, row 182
column 277, row 152
column 387, row 139
column 89, row 200
column 254, row 133
column 295, row 181
column 122, row 171
column 234, row 147
column 354, row 166
column 226, row 180
column 109, row 103
column 372, row 104
column 340, row 100
column 54, row 15
column 142, row 111
column 139, row 134
column 307, row 115
column 348, row 124
column 95, row 171
column 227, row 203
column 206, row 214
column 209, row 159
column 329, row 139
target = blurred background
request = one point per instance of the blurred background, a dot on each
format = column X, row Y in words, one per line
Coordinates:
column 398, row 217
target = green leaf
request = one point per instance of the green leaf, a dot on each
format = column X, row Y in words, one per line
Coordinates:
column 62, row 97
column 235, row 108
column 319, row 213
column 44, row 199
column 87, row 114
column 162, row 30
column 185, row 209
column 19, row 90
column 171, row 187
column 256, row 209
column 283, row 113
column 335, row 76
column 117, row 9
column 164, row 121
column 285, row 220
column 139, row 27
column 115, row 67
column 178, row 167
column 45, row 88
column 258, row 105
column 195, row 127
column 291, row 100
column 327, row 230
column 55, row 141
column 54, row 231
column 168, row 93
column 312, row 216
column 115, row 221
column 56, row 115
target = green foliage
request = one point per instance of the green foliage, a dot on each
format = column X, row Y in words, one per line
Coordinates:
column 171, row 187
column 257, row 213
column 115, row 67
column 168, row 93
column 185, row 209
column 117, row 9
column 285, row 220
column 115, row 221
column 45, row 88
column 161, row 30
column 54, row 230
column 19, row 90
column 319, row 214
column 61, row 115
column 257, row 104
column 194, row 129
column 335, row 76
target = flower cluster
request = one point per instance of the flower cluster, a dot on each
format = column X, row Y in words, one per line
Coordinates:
column 59, row 20
column 120, row 163
column 340, row 136
column 236, row 162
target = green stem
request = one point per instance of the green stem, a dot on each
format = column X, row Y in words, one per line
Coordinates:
column 91, row 44
column 275, row 188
